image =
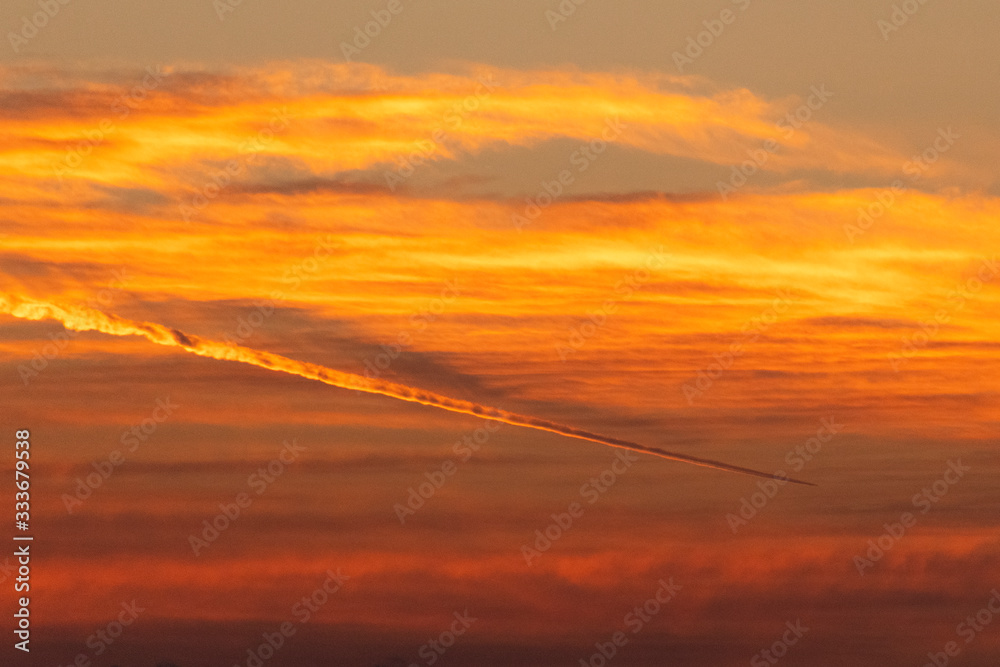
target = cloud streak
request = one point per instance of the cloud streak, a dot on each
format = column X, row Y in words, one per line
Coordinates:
column 87, row 319
column 196, row 120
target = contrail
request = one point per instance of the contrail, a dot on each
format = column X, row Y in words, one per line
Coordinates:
column 87, row 319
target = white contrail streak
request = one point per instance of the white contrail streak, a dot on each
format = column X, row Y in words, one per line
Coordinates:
column 87, row 319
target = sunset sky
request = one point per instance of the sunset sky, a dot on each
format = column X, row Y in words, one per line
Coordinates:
column 764, row 234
